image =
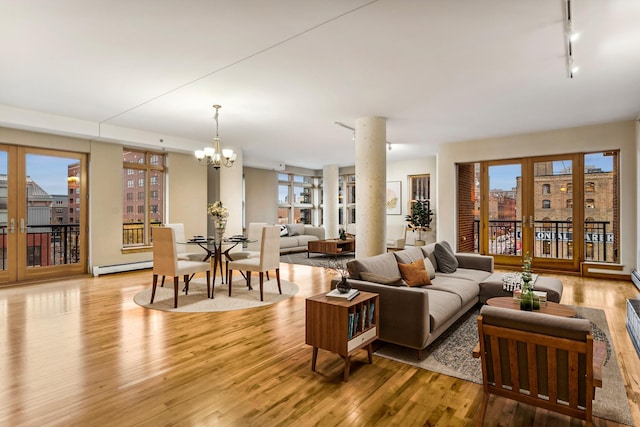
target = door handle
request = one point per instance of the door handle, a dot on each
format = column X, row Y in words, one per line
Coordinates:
column 531, row 221
column 12, row 226
column 22, row 225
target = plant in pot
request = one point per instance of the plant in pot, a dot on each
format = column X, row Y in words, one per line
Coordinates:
column 420, row 219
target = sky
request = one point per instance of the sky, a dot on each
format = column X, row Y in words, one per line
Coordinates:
column 48, row 172
column 503, row 177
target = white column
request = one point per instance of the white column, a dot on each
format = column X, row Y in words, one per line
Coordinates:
column 330, row 201
column 371, row 181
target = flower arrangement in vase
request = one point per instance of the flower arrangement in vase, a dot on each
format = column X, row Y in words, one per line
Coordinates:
column 528, row 300
column 220, row 215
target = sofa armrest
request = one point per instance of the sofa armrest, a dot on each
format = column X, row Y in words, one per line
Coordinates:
column 404, row 312
column 475, row 262
column 314, row 231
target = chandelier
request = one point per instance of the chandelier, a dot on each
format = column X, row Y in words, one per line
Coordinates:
column 215, row 156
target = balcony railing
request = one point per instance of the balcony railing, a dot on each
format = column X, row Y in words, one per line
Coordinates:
column 133, row 233
column 553, row 239
column 51, row 244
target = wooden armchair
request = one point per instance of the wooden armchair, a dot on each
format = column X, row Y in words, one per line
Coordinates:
column 542, row 360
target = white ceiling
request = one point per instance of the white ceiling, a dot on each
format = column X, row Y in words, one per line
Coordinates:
column 284, row 71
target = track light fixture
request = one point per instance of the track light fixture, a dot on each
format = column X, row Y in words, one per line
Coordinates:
column 570, row 36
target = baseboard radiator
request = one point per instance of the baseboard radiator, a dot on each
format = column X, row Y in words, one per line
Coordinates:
column 119, row 268
column 635, row 278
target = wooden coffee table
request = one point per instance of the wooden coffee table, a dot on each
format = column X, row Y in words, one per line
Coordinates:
column 548, row 308
column 331, row 246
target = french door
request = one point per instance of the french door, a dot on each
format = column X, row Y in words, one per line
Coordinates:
column 528, row 208
column 42, row 214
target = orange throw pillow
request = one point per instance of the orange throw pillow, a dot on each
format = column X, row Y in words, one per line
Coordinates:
column 415, row 273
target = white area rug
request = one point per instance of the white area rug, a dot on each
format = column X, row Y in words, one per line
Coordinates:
column 197, row 301
column 450, row 354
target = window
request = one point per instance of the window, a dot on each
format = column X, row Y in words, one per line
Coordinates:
column 589, row 187
column 569, row 203
column 149, row 169
column 569, row 187
column 589, row 203
column 70, row 210
column 546, row 188
column 298, row 198
column 546, row 204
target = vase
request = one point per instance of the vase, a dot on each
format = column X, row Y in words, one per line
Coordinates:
column 343, row 286
column 529, row 301
column 220, row 228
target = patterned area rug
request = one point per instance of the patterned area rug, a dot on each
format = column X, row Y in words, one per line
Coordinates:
column 316, row 260
column 450, row 354
column 197, row 301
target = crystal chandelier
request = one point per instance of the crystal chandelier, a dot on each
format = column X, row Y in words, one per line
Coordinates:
column 215, row 156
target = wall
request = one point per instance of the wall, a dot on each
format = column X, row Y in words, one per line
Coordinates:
column 261, row 195
column 186, row 186
column 187, row 202
column 400, row 171
column 620, row 135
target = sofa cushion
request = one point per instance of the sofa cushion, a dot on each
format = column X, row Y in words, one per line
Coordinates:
column 447, row 262
column 430, row 268
column 295, row 229
column 466, row 290
column 414, row 274
column 383, row 280
column 409, row 255
column 288, row 242
column 303, row 239
column 383, row 265
column 428, row 252
column 467, row 273
column 442, row 307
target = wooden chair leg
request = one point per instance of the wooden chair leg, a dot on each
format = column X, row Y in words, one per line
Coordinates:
column 175, row 291
column 483, row 409
column 278, row 277
column 268, row 276
column 230, row 281
column 249, row 280
column 261, row 282
column 153, row 290
column 162, row 284
column 209, row 294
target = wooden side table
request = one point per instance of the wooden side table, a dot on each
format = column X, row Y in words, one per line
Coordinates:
column 342, row 327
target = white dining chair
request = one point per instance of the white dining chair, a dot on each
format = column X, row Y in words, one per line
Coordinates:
column 166, row 263
column 182, row 249
column 269, row 259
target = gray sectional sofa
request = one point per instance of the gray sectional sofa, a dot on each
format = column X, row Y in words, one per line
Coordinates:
column 294, row 237
column 415, row 316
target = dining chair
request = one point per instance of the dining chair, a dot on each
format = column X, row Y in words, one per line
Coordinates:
column 181, row 249
column 269, row 259
column 166, row 263
column 254, row 238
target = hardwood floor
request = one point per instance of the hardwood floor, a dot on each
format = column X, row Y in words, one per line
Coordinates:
column 80, row 352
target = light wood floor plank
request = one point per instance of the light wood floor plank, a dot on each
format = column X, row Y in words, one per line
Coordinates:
column 81, row 352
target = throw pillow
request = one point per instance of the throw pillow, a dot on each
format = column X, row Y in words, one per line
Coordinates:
column 283, row 230
column 414, row 274
column 447, row 262
column 295, row 229
column 376, row 278
column 428, row 265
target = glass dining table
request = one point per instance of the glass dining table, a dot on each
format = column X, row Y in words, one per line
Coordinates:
column 217, row 249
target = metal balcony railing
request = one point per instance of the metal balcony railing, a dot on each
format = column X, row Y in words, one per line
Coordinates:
column 553, row 239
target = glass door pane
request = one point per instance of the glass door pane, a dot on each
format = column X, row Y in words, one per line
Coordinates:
column 505, row 209
column 553, row 209
column 53, row 216
column 4, row 206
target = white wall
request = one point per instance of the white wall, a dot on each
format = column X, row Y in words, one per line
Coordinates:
column 610, row 136
column 400, row 171
column 261, row 187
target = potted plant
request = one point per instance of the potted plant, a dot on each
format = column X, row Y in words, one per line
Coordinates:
column 420, row 219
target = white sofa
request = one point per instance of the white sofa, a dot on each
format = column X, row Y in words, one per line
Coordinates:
column 294, row 237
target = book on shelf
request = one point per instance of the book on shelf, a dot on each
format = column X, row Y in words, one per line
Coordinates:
column 347, row 296
column 351, row 323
